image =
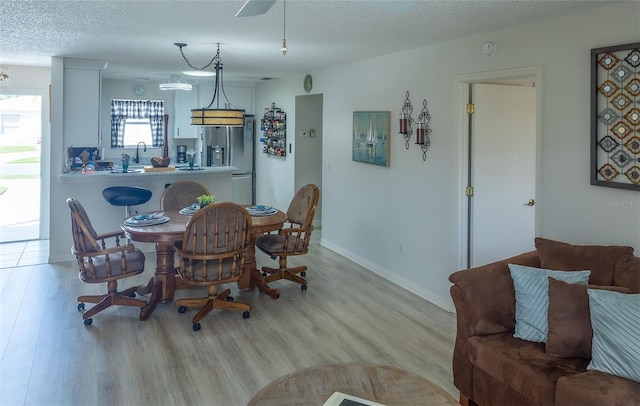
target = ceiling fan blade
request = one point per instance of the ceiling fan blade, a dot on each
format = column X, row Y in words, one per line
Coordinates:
column 391, row 6
column 254, row 8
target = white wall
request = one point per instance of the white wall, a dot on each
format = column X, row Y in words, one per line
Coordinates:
column 242, row 96
column 370, row 211
column 274, row 174
column 123, row 89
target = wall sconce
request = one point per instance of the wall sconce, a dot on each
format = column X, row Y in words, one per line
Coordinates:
column 406, row 121
column 423, row 130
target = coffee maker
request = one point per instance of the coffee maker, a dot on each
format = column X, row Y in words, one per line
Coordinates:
column 181, row 155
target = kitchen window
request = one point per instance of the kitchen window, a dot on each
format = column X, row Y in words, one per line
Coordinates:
column 132, row 118
column 136, row 130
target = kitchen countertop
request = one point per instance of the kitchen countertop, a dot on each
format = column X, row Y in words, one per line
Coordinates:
column 79, row 177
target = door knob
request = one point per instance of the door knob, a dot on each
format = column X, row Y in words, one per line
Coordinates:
column 531, row 202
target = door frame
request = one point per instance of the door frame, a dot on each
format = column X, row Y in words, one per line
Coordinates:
column 460, row 99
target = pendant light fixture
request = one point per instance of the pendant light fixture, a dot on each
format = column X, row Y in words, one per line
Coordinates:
column 213, row 114
column 284, row 27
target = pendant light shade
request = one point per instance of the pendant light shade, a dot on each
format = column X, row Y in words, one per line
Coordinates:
column 217, row 117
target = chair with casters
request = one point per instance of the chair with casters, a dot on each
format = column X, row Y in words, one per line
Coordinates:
column 103, row 258
column 180, row 194
column 213, row 253
column 293, row 238
column 126, row 196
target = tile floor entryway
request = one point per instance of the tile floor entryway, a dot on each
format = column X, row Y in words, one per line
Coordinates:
column 24, row 253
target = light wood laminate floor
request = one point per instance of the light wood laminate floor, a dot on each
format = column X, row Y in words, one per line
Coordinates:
column 348, row 314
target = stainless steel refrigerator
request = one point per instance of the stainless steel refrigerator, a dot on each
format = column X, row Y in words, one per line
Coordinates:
column 233, row 146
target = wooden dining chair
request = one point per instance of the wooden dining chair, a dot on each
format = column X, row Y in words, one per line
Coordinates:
column 103, row 258
column 180, row 194
column 293, row 238
column 213, row 253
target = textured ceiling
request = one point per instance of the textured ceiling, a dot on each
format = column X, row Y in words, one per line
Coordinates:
column 136, row 37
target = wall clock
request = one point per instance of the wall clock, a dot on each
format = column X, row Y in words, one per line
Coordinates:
column 308, row 83
column 138, row 90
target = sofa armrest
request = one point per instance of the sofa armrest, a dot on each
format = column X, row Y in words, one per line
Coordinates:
column 488, row 295
column 484, row 299
column 462, row 366
column 626, row 273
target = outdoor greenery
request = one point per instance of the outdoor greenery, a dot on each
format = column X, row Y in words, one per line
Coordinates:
column 24, row 176
column 6, row 149
column 32, row 160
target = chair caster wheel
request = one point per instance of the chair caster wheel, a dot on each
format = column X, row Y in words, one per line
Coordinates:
column 229, row 298
column 303, row 287
column 133, row 294
column 87, row 322
column 196, row 327
column 303, row 274
column 245, row 315
column 182, row 309
column 264, row 274
column 80, row 307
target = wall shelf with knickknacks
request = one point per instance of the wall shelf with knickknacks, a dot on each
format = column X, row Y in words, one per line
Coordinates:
column 274, row 131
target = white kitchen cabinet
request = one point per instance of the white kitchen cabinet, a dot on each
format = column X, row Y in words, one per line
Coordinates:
column 184, row 102
column 81, row 114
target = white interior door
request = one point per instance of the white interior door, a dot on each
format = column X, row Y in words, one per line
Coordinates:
column 503, row 172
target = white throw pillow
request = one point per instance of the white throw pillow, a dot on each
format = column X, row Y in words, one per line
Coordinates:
column 615, row 320
column 532, row 298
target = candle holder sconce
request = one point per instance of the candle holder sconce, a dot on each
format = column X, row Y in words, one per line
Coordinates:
column 423, row 130
column 406, row 121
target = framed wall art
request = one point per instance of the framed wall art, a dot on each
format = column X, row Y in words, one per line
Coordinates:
column 615, row 116
column 371, row 137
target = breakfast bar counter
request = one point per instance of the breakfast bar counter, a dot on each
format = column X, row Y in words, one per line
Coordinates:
column 139, row 174
column 87, row 188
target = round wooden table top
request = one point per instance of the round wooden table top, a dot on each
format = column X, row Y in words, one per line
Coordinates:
column 379, row 383
column 173, row 230
column 263, row 224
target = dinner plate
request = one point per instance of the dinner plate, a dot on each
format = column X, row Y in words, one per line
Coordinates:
column 146, row 220
column 261, row 210
column 190, row 210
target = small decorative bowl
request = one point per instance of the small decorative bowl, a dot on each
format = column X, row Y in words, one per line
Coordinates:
column 160, row 162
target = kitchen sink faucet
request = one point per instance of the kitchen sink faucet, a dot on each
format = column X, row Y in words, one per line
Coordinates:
column 137, row 159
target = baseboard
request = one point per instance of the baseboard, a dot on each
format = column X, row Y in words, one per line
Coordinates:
column 60, row 258
column 444, row 303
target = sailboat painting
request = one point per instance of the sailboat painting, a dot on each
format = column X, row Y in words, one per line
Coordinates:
column 371, row 137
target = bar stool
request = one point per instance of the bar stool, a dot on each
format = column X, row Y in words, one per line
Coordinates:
column 126, row 196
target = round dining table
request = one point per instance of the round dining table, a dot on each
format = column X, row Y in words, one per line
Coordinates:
column 164, row 283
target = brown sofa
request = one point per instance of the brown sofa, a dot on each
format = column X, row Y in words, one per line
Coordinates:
column 491, row 367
